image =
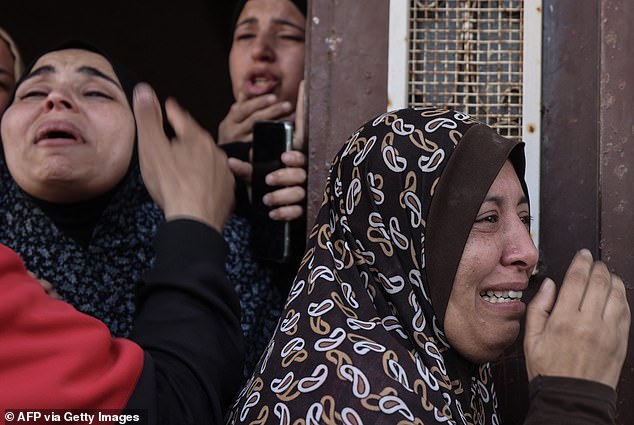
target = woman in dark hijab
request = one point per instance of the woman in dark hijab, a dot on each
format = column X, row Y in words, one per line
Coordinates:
column 75, row 207
column 73, row 202
column 266, row 65
column 69, row 230
column 411, row 283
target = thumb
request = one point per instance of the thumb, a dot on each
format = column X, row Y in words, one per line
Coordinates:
column 539, row 310
column 241, row 169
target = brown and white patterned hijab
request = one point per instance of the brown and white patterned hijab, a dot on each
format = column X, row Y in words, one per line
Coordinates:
column 361, row 340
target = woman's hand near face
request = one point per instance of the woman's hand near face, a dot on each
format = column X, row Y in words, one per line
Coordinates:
column 585, row 335
column 187, row 176
column 237, row 126
column 287, row 203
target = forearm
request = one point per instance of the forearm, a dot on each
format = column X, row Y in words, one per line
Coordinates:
column 188, row 323
column 568, row 401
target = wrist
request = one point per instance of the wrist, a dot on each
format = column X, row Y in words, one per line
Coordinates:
column 213, row 220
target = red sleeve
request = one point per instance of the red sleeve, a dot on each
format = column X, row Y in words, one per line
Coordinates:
column 53, row 356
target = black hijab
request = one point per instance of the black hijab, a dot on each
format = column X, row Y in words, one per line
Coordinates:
column 79, row 219
column 92, row 252
column 361, row 337
column 126, row 77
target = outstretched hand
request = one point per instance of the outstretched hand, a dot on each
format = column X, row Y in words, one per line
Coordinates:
column 187, row 176
column 585, row 335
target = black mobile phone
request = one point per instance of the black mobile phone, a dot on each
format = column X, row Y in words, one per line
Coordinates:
column 270, row 239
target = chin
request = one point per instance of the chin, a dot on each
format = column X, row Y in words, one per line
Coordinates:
column 482, row 350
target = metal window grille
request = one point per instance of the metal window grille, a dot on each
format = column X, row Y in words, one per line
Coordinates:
column 467, row 55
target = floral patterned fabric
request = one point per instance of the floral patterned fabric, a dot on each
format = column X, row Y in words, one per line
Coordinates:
column 360, row 340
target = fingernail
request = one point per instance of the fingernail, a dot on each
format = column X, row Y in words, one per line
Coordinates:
column 287, row 106
column 265, row 200
column 546, row 281
column 586, row 252
column 271, row 98
column 143, row 90
column 268, row 180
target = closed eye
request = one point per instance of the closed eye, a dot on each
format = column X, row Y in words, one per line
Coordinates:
column 95, row 93
column 293, row 37
column 33, row 94
column 245, row 36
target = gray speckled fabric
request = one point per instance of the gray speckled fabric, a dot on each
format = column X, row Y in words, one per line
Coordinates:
column 97, row 279
column 261, row 301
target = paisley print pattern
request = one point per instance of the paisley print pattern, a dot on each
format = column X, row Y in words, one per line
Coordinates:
column 359, row 341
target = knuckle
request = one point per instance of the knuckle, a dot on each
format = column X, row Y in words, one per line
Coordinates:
column 577, row 276
column 300, row 192
column 273, row 197
column 601, row 281
column 234, row 109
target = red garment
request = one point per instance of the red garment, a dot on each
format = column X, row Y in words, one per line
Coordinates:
column 52, row 356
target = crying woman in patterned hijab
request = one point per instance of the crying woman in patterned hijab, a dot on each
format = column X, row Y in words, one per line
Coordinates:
column 411, row 283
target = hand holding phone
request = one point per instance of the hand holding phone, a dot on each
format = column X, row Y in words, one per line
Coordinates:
column 270, row 239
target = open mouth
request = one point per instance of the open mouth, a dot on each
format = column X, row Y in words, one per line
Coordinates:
column 498, row 297
column 59, row 135
column 59, row 132
column 261, row 83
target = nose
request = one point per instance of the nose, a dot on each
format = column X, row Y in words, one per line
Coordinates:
column 519, row 250
column 58, row 100
column 263, row 49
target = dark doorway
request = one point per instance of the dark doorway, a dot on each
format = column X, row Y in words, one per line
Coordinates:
column 179, row 47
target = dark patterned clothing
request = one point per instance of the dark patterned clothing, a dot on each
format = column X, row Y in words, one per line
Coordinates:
column 187, row 340
column 359, row 340
column 98, row 278
column 95, row 260
column 261, row 299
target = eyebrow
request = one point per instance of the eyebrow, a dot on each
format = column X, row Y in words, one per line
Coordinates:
column 277, row 21
column 95, row 72
column 498, row 200
column 88, row 70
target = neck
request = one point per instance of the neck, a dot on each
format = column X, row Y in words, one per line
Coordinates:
column 77, row 220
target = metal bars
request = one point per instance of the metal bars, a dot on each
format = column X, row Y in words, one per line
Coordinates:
column 467, row 55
